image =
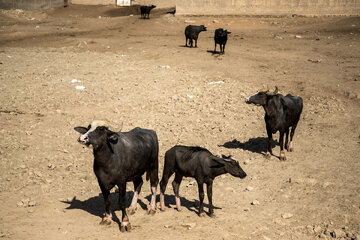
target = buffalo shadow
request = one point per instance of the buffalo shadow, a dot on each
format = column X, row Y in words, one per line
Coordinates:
column 96, row 206
column 214, row 52
column 255, row 145
column 192, row 206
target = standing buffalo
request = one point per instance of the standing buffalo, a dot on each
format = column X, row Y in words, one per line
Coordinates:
column 145, row 11
column 220, row 38
column 192, row 33
column 120, row 157
column 281, row 113
column 200, row 164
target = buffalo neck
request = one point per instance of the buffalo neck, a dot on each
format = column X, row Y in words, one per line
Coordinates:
column 103, row 152
column 218, row 171
column 271, row 108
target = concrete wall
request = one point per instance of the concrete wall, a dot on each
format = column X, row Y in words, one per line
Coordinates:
column 268, row 7
column 32, row 4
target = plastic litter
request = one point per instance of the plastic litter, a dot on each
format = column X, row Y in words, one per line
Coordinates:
column 78, row 87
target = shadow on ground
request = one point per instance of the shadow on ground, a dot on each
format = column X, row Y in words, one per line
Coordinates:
column 255, row 145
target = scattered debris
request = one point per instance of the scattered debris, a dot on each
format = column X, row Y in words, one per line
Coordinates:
column 78, row 87
column 217, row 82
column 298, row 36
column 189, row 225
column 75, row 80
column 164, row 66
column 255, row 202
column 287, row 215
column 314, row 60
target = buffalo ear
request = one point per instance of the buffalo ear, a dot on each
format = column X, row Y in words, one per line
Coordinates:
column 113, row 137
column 81, row 130
column 218, row 162
column 226, row 157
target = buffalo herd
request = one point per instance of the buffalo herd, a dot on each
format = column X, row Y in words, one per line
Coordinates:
column 121, row 157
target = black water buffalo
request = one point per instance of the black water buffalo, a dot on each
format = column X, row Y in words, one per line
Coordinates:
column 192, row 33
column 145, row 11
column 200, row 164
column 281, row 113
column 120, row 157
column 220, row 38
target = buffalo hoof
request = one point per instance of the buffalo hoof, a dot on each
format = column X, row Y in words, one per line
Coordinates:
column 282, row 156
column 125, row 227
column 291, row 149
column 105, row 221
column 212, row 215
column 202, row 214
column 131, row 210
column 151, row 212
column 268, row 155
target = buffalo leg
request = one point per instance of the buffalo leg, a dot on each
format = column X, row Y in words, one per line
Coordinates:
column 286, row 144
column 269, row 151
column 196, row 43
column 125, row 224
column 106, row 220
column 176, row 186
column 201, row 198
column 186, row 42
column 223, row 50
column 282, row 152
column 209, row 193
column 290, row 147
column 138, row 182
column 154, row 180
column 215, row 48
column 164, row 181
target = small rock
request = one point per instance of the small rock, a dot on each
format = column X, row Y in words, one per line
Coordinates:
column 318, row 230
column 298, row 36
column 287, row 215
column 255, row 202
column 215, row 21
column 189, row 225
column 22, row 166
column 32, row 204
column 339, row 233
column 246, row 209
column 20, row 204
column 31, row 211
column 190, row 184
column 189, row 21
column 166, row 226
column 249, row 188
column 266, row 238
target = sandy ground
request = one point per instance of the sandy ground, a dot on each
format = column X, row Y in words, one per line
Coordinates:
column 138, row 73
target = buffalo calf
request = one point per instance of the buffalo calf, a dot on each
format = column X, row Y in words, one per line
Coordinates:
column 145, row 11
column 120, row 157
column 220, row 38
column 192, row 33
column 200, row 164
column 281, row 113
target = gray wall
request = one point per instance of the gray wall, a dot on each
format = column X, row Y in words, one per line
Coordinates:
column 31, row 4
column 268, row 7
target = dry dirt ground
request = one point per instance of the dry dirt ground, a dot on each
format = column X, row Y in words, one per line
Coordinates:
column 138, row 73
